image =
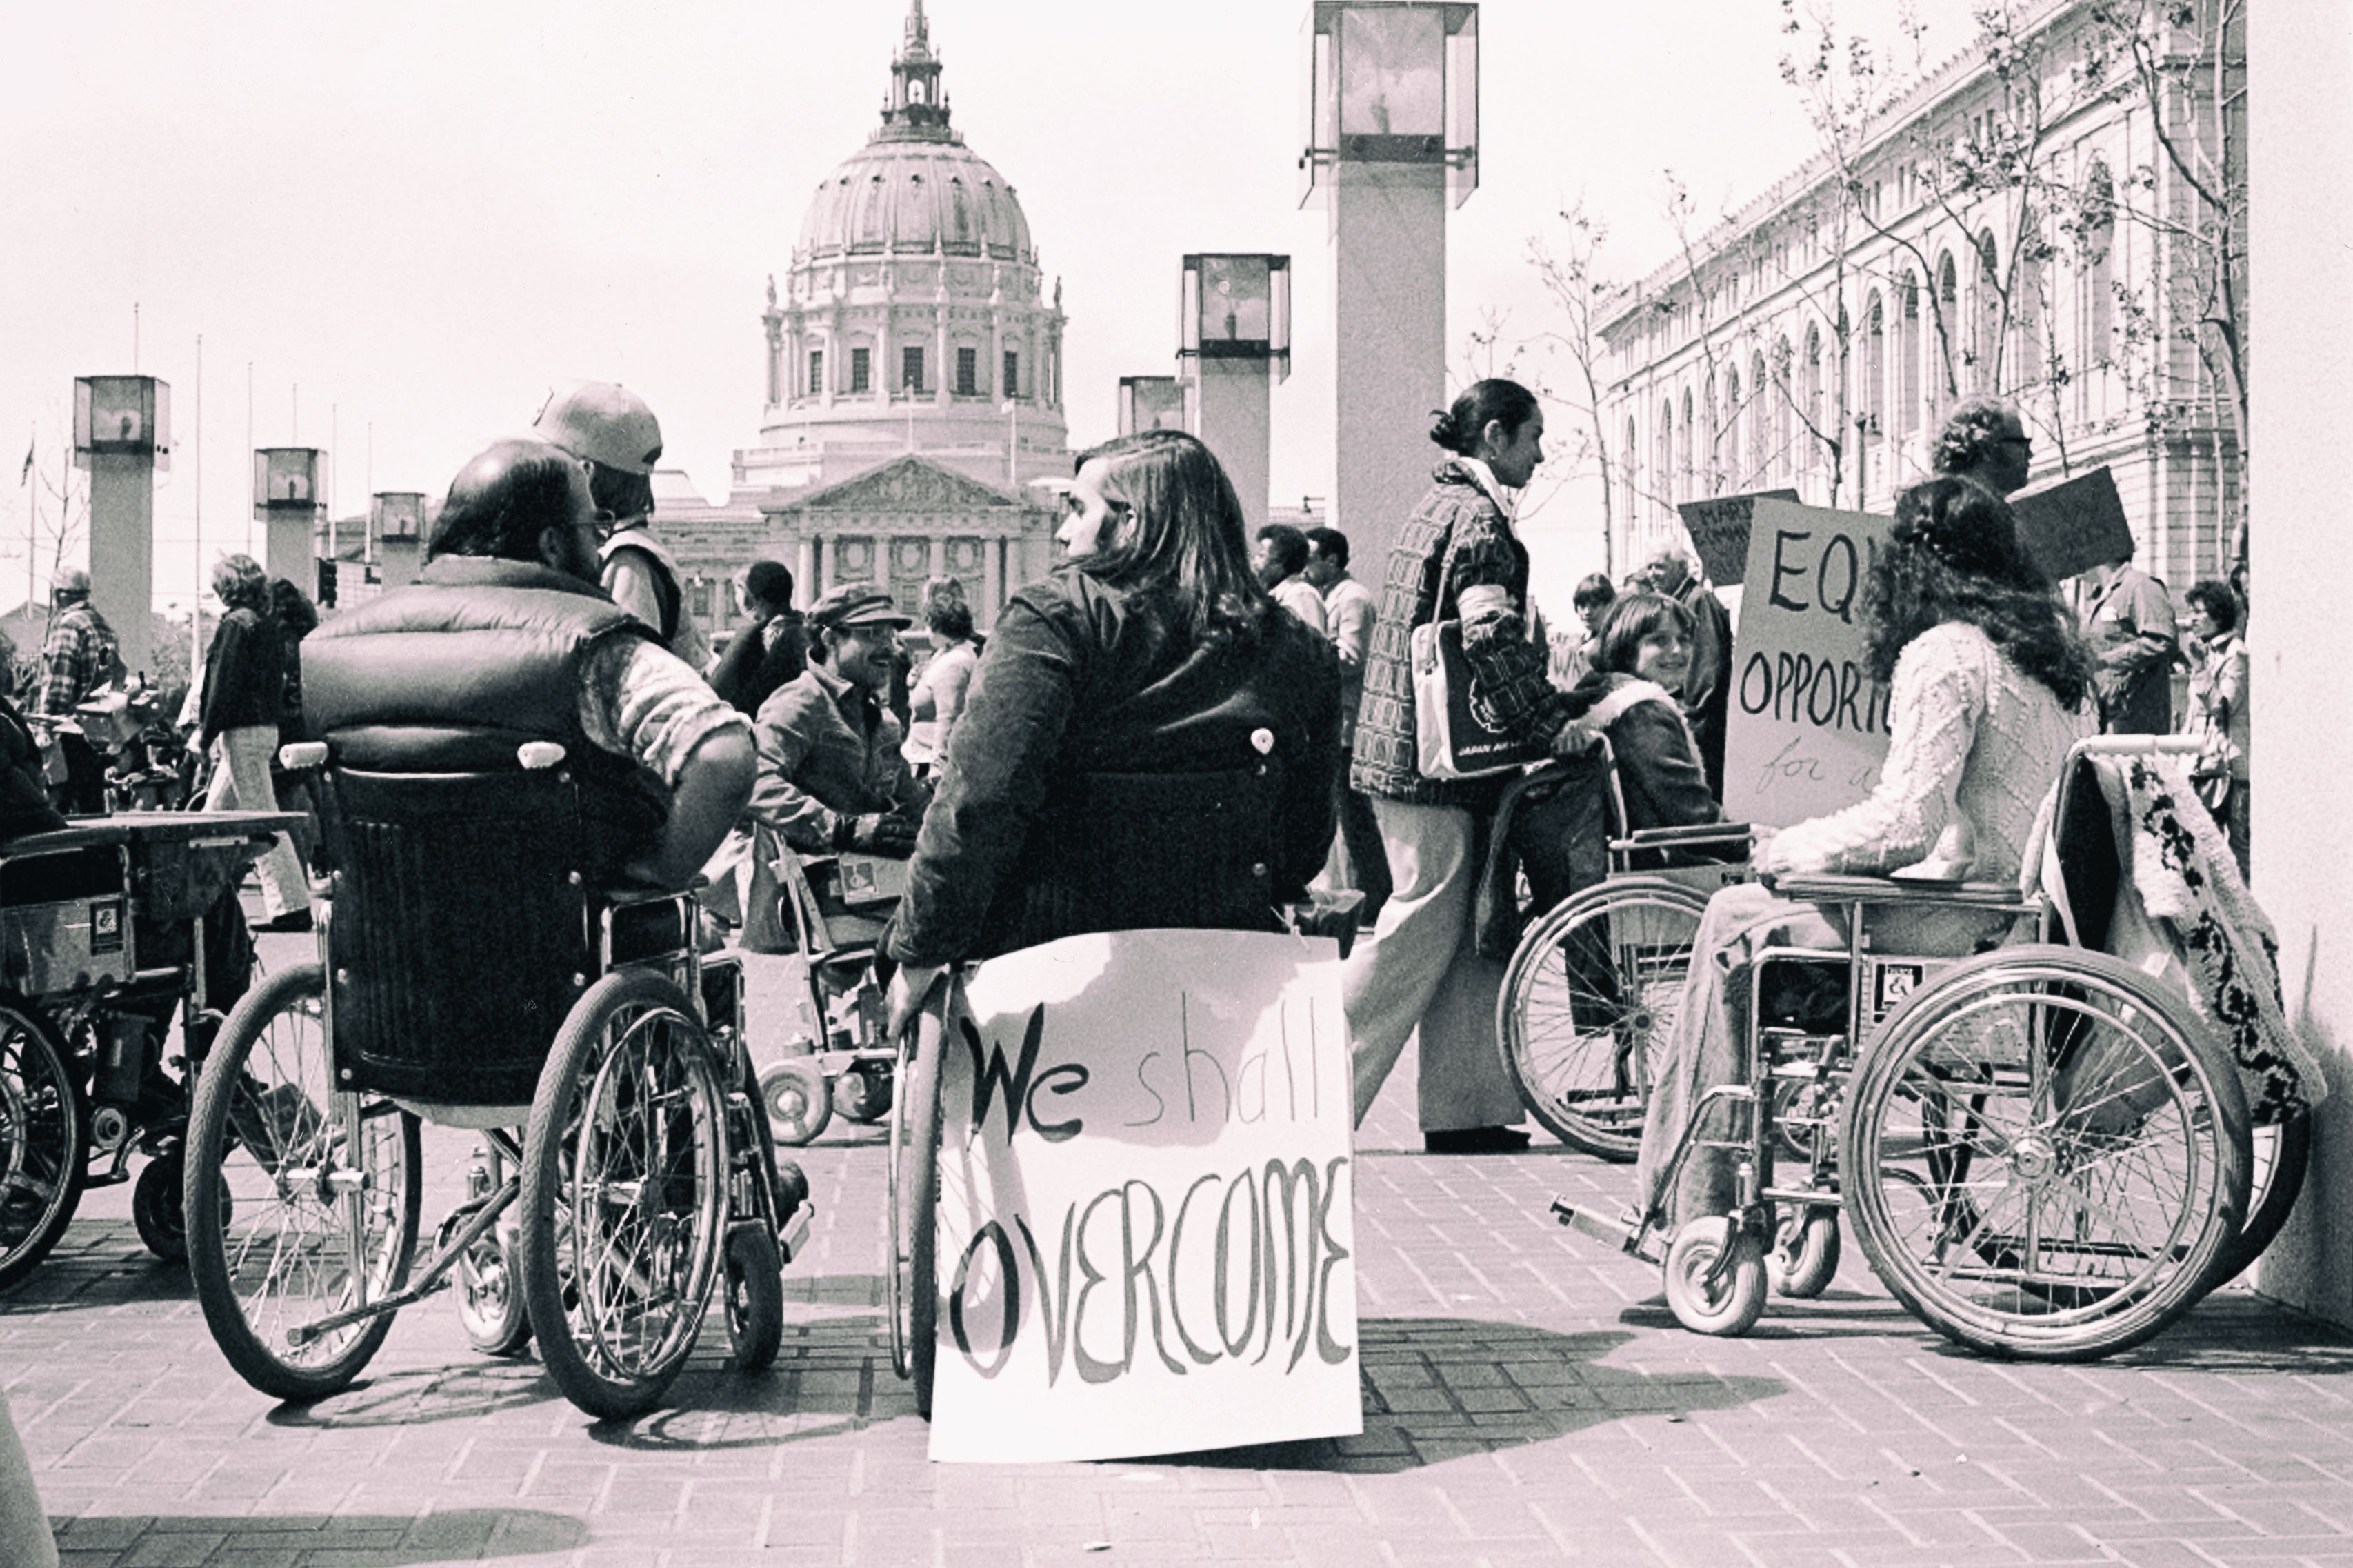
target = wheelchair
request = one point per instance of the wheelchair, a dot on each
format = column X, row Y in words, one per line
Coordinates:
column 1592, row 988
column 103, row 939
column 2044, row 1153
column 471, row 974
column 837, row 907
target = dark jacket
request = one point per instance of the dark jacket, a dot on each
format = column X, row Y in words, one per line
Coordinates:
column 1456, row 535
column 453, row 674
column 245, row 675
column 1660, row 776
column 24, row 791
column 1707, row 690
column 750, row 668
column 1111, row 775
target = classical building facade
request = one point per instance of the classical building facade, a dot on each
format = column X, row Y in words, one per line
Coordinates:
column 914, row 381
column 1992, row 231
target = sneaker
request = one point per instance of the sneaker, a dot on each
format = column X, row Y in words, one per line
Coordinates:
column 1476, row 1141
column 291, row 920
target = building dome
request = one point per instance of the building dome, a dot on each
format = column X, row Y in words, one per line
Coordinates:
column 906, row 194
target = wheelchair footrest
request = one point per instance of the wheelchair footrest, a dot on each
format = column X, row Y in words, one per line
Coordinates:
column 794, row 1235
column 1611, row 1231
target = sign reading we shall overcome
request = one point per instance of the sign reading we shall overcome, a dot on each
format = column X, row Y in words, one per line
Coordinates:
column 1147, row 1242
column 1807, row 726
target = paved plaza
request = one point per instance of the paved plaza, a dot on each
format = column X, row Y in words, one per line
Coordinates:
column 1527, row 1399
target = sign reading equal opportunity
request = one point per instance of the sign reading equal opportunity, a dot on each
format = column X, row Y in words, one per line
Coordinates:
column 1807, row 725
column 1146, row 1241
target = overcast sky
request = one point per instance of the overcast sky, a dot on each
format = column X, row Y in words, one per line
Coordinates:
column 421, row 214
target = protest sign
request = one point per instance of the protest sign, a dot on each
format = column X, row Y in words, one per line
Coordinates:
column 1719, row 531
column 2069, row 526
column 1147, row 1242
column 1808, row 726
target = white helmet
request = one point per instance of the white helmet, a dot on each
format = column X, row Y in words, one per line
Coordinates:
column 604, row 423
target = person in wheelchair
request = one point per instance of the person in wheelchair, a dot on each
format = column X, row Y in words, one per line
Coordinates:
column 508, row 638
column 1988, row 688
column 1150, row 742
column 1640, row 659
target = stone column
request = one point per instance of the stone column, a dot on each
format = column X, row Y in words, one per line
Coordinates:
column 805, row 577
column 939, row 555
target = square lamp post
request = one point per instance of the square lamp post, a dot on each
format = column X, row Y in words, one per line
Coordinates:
column 1392, row 116
column 395, row 535
column 286, row 499
column 1150, row 403
column 123, row 432
column 1236, row 344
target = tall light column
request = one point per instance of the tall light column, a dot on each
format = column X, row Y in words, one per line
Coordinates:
column 395, row 536
column 1394, row 104
column 1236, row 345
column 1150, row 403
column 122, row 429
column 286, row 499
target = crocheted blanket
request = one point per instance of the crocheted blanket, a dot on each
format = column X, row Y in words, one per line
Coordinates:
column 2187, row 879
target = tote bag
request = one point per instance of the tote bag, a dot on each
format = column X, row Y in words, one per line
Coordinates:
column 1452, row 738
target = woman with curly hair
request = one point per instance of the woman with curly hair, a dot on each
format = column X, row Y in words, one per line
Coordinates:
column 1984, row 439
column 1988, row 688
column 244, row 697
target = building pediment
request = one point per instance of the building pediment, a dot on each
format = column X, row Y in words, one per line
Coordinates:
column 905, row 484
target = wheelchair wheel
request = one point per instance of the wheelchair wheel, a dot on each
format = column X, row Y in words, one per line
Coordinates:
column 1732, row 1304
column 1588, row 1004
column 490, row 1294
column 302, row 1180
column 44, row 1141
column 795, row 1095
column 624, row 1194
column 755, row 1296
column 914, row 1207
column 1805, row 1251
column 2045, row 1157
column 2278, row 1154
column 863, row 1092
column 159, row 1205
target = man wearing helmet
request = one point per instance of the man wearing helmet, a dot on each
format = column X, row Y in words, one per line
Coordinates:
column 79, row 659
column 610, row 429
column 506, row 638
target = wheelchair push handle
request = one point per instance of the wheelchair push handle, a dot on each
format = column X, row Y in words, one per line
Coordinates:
column 2137, row 745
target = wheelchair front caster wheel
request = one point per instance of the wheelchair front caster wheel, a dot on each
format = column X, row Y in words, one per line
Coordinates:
column 1805, row 1251
column 755, row 1297
column 489, row 1295
column 158, row 1206
column 1703, row 1301
column 798, row 1103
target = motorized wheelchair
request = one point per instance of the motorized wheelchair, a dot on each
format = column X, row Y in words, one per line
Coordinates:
column 2044, row 1151
column 473, row 973
column 103, row 939
column 1591, row 991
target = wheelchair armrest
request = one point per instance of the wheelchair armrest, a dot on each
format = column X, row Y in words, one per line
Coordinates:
column 1823, row 887
column 1691, row 833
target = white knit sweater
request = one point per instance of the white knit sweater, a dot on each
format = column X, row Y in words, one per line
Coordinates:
column 1974, row 744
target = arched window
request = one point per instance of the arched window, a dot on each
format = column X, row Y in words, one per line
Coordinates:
column 1874, row 393
column 1784, row 396
column 1760, row 422
column 2096, row 326
column 1630, row 471
column 1984, row 323
column 1907, row 357
column 2026, row 317
column 1686, row 486
column 1727, row 439
column 1809, row 396
column 1953, row 344
column 1663, row 458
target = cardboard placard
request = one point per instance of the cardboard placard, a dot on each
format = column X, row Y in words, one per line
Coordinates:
column 1808, row 726
column 1719, row 529
column 1146, row 1238
column 2069, row 526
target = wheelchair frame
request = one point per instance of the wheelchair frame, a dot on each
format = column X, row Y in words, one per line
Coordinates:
column 644, row 1103
column 2108, row 1065
column 1598, row 1105
column 802, row 1092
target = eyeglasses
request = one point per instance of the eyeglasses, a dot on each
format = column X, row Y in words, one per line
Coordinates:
column 2024, row 441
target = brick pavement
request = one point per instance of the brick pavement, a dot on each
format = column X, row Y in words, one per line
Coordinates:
column 1529, row 1400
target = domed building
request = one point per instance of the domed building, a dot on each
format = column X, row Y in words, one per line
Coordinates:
column 913, row 375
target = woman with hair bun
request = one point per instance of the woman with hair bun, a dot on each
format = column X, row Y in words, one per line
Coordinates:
column 244, row 697
column 1989, row 687
column 1421, row 969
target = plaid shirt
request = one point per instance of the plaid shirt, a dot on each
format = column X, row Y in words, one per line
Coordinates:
column 79, row 658
column 1460, row 534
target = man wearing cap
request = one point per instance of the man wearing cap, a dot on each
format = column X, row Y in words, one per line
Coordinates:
column 831, row 775
column 610, row 428
column 79, row 659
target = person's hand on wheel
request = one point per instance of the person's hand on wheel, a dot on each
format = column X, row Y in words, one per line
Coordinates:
column 911, row 987
column 876, row 833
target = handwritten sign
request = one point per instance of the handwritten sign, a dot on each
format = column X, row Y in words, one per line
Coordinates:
column 1807, row 726
column 1719, row 530
column 2069, row 526
column 1147, row 1242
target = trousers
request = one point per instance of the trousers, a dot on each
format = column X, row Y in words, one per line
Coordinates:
column 241, row 783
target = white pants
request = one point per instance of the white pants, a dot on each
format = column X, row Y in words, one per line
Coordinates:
column 241, row 783
column 1421, row 969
